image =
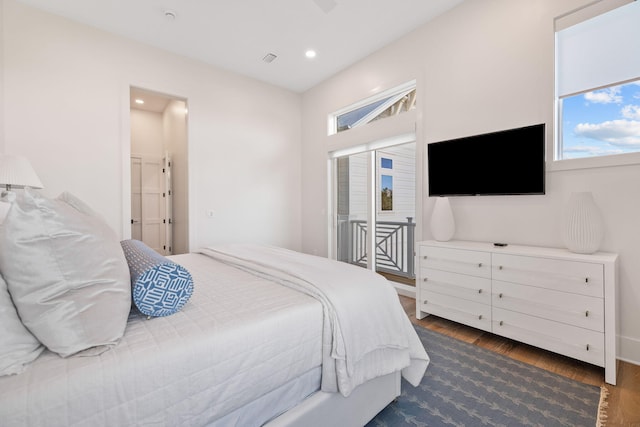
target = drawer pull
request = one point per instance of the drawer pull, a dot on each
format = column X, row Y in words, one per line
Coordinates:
column 586, row 313
column 501, row 323
column 425, row 302
column 588, row 347
column 500, row 267
column 424, row 257
column 479, row 291
column 500, row 295
column 480, row 317
column 586, row 280
column 479, row 265
column 425, row 279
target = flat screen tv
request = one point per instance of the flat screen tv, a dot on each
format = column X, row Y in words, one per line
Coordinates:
column 508, row 162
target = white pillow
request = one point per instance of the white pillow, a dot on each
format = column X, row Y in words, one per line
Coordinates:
column 18, row 347
column 66, row 273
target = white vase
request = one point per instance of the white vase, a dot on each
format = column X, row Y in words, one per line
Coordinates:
column 442, row 224
column 583, row 227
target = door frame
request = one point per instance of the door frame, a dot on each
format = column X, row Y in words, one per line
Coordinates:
column 125, row 157
column 371, row 151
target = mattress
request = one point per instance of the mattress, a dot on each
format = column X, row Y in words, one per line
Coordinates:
column 238, row 339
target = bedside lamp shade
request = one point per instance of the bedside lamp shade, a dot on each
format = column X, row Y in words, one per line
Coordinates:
column 16, row 172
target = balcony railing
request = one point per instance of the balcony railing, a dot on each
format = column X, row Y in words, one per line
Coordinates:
column 395, row 243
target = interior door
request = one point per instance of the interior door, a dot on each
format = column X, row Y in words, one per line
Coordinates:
column 148, row 208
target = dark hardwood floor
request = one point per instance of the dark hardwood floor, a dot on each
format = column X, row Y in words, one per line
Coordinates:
column 624, row 398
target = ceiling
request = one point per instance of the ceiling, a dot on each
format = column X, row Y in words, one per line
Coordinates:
column 237, row 34
column 141, row 99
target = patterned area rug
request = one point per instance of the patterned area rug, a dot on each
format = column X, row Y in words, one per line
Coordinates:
column 466, row 385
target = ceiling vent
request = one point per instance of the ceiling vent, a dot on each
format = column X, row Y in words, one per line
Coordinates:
column 269, row 58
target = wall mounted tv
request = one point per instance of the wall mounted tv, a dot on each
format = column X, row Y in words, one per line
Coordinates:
column 507, row 162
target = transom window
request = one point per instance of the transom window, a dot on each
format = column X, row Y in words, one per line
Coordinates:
column 386, row 104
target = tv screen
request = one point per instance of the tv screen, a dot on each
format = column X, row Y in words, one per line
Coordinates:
column 507, row 162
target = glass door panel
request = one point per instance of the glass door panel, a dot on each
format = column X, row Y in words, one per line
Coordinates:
column 352, row 208
column 395, row 211
column 376, row 190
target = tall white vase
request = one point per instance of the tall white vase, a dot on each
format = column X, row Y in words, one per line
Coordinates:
column 583, row 226
column 442, row 224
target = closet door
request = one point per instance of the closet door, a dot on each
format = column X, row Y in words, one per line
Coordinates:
column 148, row 207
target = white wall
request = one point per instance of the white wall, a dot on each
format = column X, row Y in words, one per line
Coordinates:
column 147, row 133
column 68, row 88
column 485, row 65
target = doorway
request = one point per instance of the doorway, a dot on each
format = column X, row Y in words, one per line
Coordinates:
column 159, row 171
column 375, row 190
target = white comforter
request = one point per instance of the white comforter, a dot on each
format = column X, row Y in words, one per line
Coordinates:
column 237, row 339
column 366, row 331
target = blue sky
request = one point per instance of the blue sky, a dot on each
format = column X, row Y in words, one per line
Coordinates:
column 387, row 182
column 602, row 122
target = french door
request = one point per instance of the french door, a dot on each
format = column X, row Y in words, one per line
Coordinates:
column 375, row 190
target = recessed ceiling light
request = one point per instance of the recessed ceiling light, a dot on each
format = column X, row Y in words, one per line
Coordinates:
column 139, row 101
column 310, row 53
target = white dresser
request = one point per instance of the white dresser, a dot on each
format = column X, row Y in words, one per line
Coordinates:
column 549, row 298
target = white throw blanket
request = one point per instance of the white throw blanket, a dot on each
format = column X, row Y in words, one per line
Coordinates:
column 366, row 331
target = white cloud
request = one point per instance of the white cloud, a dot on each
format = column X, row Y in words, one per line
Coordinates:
column 620, row 133
column 631, row 112
column 605, row 96
column 589, row 151
column 583, row 149
column 635, row 95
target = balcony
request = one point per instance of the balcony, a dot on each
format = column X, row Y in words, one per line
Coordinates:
column 395, row 242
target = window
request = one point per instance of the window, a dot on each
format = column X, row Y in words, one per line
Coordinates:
column 386, row 193
column 598, row 85
column 386, row 184
column 601, row 122
column 389, row 103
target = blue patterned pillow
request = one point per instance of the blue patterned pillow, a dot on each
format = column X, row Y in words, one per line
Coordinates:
column 159, row 287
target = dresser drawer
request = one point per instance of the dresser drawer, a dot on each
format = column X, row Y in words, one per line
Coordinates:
column 473, row 263
column 472, row 288
column 459, row 310
column 579, row 343
column 568, row 276
column 577, row 310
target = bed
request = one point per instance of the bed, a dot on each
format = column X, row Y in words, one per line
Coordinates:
column 268, row 337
